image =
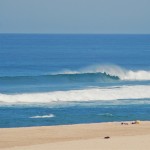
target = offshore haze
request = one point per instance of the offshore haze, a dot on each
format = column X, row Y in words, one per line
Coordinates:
column 80, row 16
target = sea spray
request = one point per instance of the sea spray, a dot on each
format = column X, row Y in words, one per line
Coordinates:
column 112, row 70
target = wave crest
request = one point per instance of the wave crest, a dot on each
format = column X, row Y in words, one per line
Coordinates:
column 104, row 73
column 113, row 70
column 62, row 77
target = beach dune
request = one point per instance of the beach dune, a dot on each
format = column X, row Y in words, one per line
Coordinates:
column 78, row 137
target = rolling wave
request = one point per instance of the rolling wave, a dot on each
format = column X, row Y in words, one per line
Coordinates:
column 113, row 70
column 80, row 77
column 110, row 93
column 103, row 73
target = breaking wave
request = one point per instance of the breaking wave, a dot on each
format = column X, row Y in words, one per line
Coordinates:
column 104, row 73
column 114, row 71
column 110, row 93
column 79, row 77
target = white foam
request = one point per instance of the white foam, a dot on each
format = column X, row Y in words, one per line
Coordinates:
column 111, row 93
column 136, row 75
column 44, row 116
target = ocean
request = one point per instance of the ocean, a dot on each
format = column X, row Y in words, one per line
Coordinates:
column 59, row 79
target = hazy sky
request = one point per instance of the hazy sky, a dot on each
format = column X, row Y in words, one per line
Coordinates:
column 74, row 16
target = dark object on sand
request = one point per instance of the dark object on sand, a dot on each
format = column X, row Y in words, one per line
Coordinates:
column 106, row 137
column 136, row 122
column 124, row 123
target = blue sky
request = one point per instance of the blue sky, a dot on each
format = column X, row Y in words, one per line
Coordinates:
column 75, row 16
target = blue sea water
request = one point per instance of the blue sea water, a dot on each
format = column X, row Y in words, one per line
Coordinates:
column 70, row 79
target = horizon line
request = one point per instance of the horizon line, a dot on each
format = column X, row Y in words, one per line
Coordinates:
column 80, row 33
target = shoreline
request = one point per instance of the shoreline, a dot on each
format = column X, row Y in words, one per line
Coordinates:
column 111, row 122
column 46, row 137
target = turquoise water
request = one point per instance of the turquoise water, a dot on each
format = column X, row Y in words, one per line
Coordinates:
column 71, row 79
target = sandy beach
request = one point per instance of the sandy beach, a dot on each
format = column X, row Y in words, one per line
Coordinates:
column 81, row 137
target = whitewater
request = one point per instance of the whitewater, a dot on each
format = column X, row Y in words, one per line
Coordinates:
column 110, row 93
column 69, row 79
column 106, row 74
